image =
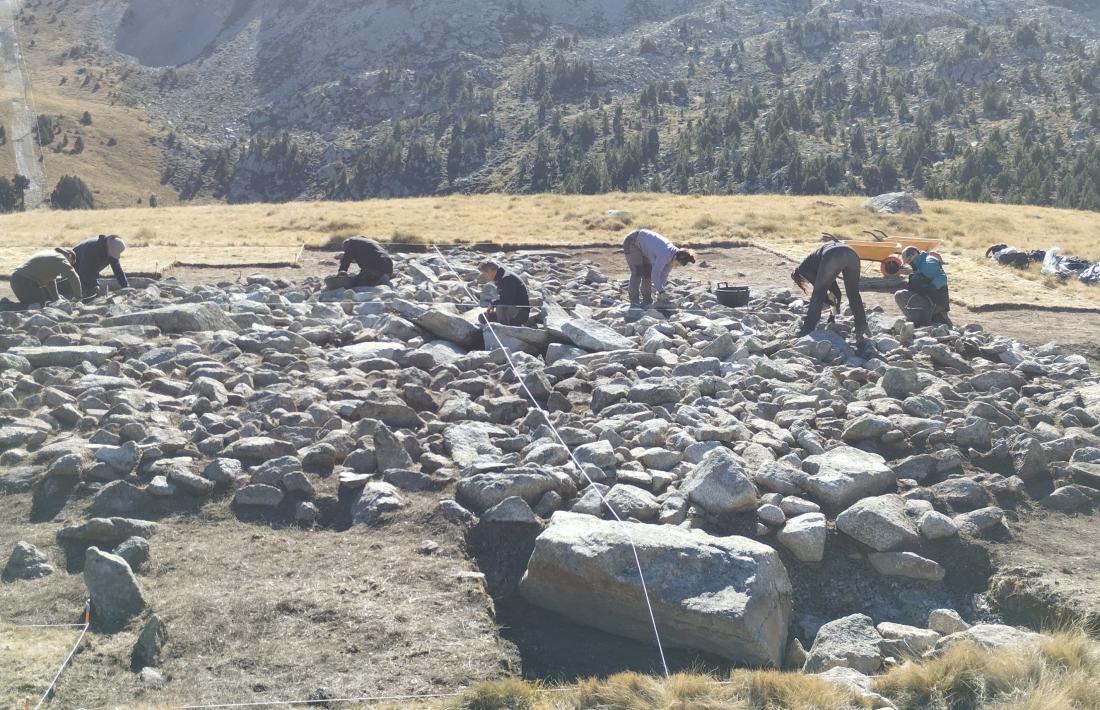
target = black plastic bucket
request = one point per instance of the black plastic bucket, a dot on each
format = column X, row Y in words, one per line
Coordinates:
column 732, row 296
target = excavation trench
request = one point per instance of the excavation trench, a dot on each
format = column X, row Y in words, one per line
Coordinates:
column 553, row 648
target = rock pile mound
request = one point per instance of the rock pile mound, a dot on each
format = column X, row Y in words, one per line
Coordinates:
column 743, row 459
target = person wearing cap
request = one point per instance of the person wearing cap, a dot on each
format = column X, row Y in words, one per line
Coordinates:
column 374, row 262
column 821, row 269
column 927, row 300
column 35, row 281
column 513, row 303
column 651, row 258
column 93, row 256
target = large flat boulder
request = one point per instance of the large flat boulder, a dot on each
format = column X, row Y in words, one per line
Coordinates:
column 719, row 484
column 893, row 203
column 469, row 442
column 533, row 341
column 182, row 318
column 584, row 333
column 594, row 337
column 724, row 595
column 880, row 522
column 258, row 448
column 484, row 490
column 849, row 642
column 65, row 356
column 991, row 636
column 841, row 476
column 107, row 530
column 445, row 323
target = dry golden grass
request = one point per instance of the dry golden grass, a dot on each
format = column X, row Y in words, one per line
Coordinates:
column 263, row 233
column 29, row 658
column 1062, row 673
column 120, row 174
column 745, row 690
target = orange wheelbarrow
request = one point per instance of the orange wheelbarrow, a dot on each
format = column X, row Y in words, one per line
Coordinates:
column 886, row 250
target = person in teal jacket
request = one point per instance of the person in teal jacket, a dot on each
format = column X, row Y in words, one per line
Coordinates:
column 927, row 300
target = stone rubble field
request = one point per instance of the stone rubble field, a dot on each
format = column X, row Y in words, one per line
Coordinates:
column 763, row 479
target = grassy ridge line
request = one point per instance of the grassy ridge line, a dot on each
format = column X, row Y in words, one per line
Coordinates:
column 268, row 233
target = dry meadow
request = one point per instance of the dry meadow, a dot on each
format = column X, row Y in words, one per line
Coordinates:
column 266, row 234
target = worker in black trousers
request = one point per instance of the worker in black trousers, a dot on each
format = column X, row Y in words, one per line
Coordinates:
column 374, row 262
column 513, row 304
column 821, row 270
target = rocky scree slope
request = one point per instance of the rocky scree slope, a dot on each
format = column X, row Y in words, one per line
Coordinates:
column 283, row 99
column 782, row 493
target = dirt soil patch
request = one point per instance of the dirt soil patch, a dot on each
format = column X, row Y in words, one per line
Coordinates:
column 257, row 613
column 1050, row 572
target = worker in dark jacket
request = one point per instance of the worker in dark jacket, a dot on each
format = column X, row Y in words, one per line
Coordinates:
column 512, row 306
column 651, row 257
column 35, row 281
column 821, row 269
column 374, row 262
column 93, row 256
column 927, row 301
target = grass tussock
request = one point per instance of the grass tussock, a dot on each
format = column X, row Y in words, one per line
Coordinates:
column 745, row 690
column 1062, row 673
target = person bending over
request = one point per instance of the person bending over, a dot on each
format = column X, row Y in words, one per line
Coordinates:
column 513, row 304
column 926, row 301
column 651, row 258
column 93, row 256
column 820, row 270
column 374, row 262
column 35, row 281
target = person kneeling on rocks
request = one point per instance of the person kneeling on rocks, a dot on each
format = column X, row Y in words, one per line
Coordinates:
column 374, row 262
column 35, row 282
column 513, row 304
column 93, row 256
column 926, row 301
column 821, row 269
column 651, row 258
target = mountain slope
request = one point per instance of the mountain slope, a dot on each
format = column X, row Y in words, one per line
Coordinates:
column 318, row 98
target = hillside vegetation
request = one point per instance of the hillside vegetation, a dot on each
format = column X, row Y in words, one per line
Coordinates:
column 269, row 101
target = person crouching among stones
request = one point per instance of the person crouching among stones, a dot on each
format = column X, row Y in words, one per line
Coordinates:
column 513, row 303
column 35, row 281
column 651, row 259
column 374, row 262
column 92, row 257
column 821, row 269
column 926, row 301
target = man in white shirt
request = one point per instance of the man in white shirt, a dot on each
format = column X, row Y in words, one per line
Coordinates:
column 651, row 258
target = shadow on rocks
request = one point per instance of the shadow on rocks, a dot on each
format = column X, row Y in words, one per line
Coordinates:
column 50, row 497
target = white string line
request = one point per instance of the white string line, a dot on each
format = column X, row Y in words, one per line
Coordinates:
column 461, row 304
column 572, row 456
column 79, row 640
